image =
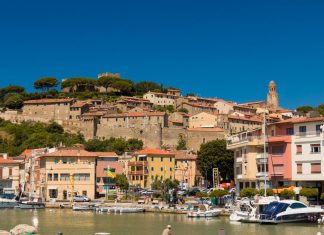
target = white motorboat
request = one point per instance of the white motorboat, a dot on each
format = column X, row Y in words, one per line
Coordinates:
column 31, row 205
column 8, row 203
column 204, row 211
column 289, row 211
column 250, row 212
column 120, row 209
column 84, row 207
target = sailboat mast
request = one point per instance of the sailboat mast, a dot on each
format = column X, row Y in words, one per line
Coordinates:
column 264, row 153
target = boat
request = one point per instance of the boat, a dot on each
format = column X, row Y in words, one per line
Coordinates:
column 204, row 211
column 8, row 203
column 31, row 205
column 287, row 211
column 84, row 207
column 250, row 212
column 120, row 209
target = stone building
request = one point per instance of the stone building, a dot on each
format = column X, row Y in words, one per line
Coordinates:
column 195, row 108
column 273, row 99
column 126, row 103
column 240, row 122
column 198, row 136
column 186, row 171
column 77, row 109
column 48, row 109
column 203, row 120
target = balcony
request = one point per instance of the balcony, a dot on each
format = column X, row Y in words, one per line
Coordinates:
column 138, row 163
column 240, row 141
column 261, row 174
column 239, row 159
column 309, row 134
column 262, row 158
column 239, row 176
column 279, row 138
column 143, row 172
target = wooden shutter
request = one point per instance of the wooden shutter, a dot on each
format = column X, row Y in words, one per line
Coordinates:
column 316, row 167
column 278, row 169
column 299, row 149
column 300, row 168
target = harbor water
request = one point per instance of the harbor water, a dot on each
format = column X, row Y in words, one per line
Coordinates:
column 52, row 221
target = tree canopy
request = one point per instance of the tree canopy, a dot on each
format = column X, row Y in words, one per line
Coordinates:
column 45, row 84
column 13, row 101
column 214, row 154
column 108, row 80
column 146, row 86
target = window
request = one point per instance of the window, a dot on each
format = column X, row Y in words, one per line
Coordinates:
column 161, row 168
column 299, row 168
column 72, row 160
column 277, row 150
column 297, row 205
column 170, row 168
column 278, row 169
column 170, row 159
column 161, row 159
column 56, row 160
column 49, row 177
column 299, row 149
column 315, row 148
column 152, row 168
column 55, row 177
column 318, row 129
column 65, row 177
column 65, row 160
column 289, row 131
column 82, row 177
column 302, row 130
column 152, row 159
column 316, row 168
column 84, row 193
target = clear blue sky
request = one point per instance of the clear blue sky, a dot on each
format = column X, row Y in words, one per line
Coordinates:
column 227, row 49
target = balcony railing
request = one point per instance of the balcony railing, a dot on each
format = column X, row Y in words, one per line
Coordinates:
column 138, row 163
column 145, row 172
column 239, row 159
column 242, row 139
column 308, row 134
column 261, row 174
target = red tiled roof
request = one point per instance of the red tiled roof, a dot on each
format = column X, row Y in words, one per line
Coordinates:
column 70, row 153
column 47, row 101
column 79, row 104
column 7, row 161
column 162, row 94
column 254, row 102
column 301, row 120
column 153, row 152
column 206, row 129
column 199, row 105
column 251, row 119
column 101, row 165
column 135, row 114
column 106, row 154
column 26, row 153
column 183, row 155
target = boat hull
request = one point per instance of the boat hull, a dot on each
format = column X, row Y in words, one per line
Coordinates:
column 204, row 214
column 31, row 205
column 4, row 205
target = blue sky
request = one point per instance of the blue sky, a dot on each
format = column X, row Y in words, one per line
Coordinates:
column 226, row 49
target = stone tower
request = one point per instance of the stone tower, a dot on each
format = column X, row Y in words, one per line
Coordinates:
column 273, row 99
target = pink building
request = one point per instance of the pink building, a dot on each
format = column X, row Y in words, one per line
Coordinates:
column 279, row 149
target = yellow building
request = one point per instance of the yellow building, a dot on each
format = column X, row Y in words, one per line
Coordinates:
column 149, row 164
column 67, row 171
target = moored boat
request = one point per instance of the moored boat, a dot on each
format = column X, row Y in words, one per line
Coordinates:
column 8, row 203
column 84, row 207
column 205, row 211
column 287, row 211
column 31, row 205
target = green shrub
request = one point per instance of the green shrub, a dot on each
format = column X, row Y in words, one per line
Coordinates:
column 218, row 193
column 248, row 192
column 308, row 192
column 269, row 192
column 287, row 194
column 201, row 194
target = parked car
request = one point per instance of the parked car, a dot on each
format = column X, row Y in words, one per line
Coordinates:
column 80, row 198
column 193, row 191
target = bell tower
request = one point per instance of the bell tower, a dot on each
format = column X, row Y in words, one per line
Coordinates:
column 273, row 99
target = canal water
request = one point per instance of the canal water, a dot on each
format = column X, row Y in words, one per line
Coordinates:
column 52, row 221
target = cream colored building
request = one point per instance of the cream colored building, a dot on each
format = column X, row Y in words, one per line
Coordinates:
column 150, row 164
column 9, row 175
column 186, row 171
column 250, row 163
column 238, row 122
column 203, row 120
column 68, row 171
column 161, row 99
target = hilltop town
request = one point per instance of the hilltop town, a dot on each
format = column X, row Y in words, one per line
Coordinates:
column 166, row 130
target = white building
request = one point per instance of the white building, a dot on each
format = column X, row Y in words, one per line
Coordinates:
column 161, row 99
column 307, row 152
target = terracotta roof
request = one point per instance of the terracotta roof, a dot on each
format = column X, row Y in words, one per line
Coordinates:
column 183, row 114
column 153, row 152
column 199, row 105
column 7, row 161
column 184, row 155
column 98, row 113
column 70, row 153
column 254, row 102
column 251, row 119
column 136, row 114
column 206, row 129
column 301, row 120
column 47, row 101
column 213, row 114
column 175, row 121
column 106, row 154
column 101, row 165
column 26, row 153
column 243, row 106
column 79, row 104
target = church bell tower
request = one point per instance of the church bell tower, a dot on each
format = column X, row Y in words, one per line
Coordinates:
column 273, row 99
